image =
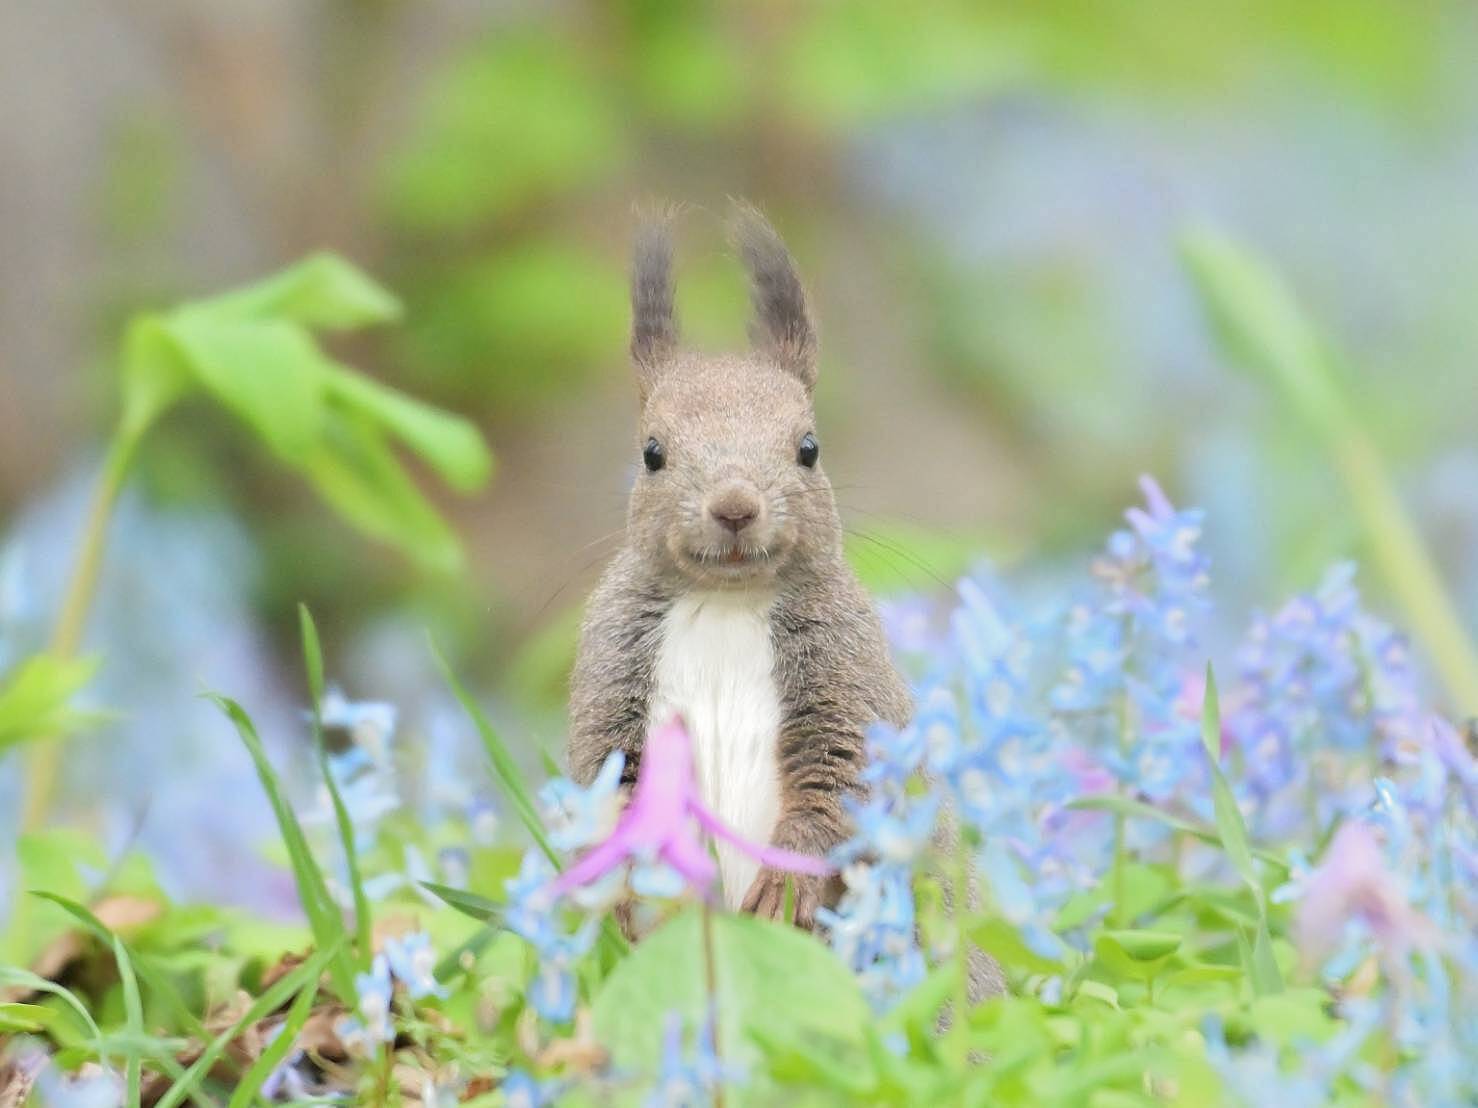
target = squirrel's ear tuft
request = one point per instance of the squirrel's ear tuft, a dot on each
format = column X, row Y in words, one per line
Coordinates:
column 782, row 325
column 653, row 311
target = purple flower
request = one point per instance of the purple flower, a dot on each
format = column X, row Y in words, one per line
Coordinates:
column 662, row 820
column 1353, row 884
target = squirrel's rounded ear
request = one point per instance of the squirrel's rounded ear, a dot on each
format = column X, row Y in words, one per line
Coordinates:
column 653, row 312
column 782, row 325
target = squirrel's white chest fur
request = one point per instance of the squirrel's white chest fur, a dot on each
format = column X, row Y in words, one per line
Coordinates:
column 715, row 665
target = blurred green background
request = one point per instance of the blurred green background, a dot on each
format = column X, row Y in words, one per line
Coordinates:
column 985, row 200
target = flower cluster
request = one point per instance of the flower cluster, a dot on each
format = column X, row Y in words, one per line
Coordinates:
column 873, row 928
column 408, row 960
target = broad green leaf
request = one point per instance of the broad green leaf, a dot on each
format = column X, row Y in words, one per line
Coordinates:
column 269, row 373
column 354, row 469
column 155, row 373
column 1002, row 942
column 35, row 701
column 1144, row 946
column 450, row 444
column 23, row 1019
column 1137, row 955
column 322, row 291
column 767, row 974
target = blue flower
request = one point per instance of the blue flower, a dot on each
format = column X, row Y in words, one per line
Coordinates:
column 413, row 963
column 580, row 817
column 521, row 1089
column 690, row 1080
column 373, row 1025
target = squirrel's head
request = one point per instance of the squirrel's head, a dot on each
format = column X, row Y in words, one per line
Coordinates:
column 729, row 492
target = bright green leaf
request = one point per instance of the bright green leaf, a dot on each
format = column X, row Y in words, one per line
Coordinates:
column 767, row 974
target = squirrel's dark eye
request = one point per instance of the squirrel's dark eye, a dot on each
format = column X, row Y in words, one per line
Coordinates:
column 810, row 450
column 653, row 455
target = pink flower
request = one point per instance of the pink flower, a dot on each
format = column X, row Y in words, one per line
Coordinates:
column 663, row 820
column 1353, row 882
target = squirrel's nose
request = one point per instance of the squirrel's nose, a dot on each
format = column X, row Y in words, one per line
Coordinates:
column 735, row 507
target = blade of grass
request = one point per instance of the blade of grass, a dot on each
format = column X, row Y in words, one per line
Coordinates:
column 133, row 1014
column 313, row 659
column 515, row 788
column 470, row 904
column 272, row 998
column 1262, row 326
column 25, row 979
column 1261, row 965
column 505, row 766
column 148, row 972
column 1127, row 806
column 324, row 919
column 278, row 1049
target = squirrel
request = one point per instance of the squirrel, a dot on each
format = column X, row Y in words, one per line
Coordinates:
column 730, row 601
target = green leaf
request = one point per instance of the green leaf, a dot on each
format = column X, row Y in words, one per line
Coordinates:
column 133, row 1008
column 1002, row 942
column 1126, row 806
column 767, row 974
column 30, row 982
column 313, row 660
column 24, row 1019
column 477, row 907
column 322, row 291
column 1258, row 320
column 270, row 374
column 1144, row 946
column 35, row 700
column 146, row 968
column 450, row 444
column 1229, row 822
column 505, row 766
column 354, row 469
column 1137, row 955
column 275, row 1051
column 324, row 918
column 300, row 979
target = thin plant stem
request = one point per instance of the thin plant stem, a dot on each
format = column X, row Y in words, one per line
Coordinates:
column 710, row 980
column 960, row 910
column 44, row 764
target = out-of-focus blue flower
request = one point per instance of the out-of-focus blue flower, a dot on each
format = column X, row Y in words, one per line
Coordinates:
column 872, row 931
column 370, row 724
column 521, row 1089
column 690, row 1080
column 413, row 963
column 534, row 915
column 95, row 1088
column 580, row 817
column 373, row 1025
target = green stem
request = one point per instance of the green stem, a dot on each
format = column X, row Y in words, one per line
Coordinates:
column 44, row 763
column 710, row 979
column 959, row 909
column 1403, row 557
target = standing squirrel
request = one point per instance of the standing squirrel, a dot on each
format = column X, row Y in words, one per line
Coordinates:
column 730, row 601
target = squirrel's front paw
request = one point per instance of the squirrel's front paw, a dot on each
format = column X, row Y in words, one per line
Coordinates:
column 766, row 896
